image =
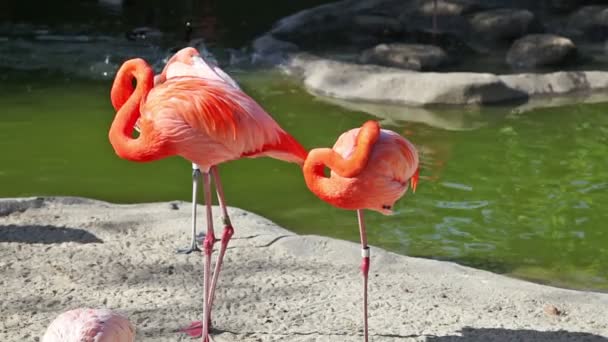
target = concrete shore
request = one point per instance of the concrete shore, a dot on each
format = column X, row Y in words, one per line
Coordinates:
column 59, row 253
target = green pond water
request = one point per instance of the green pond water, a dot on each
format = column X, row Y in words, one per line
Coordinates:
column 520, row 194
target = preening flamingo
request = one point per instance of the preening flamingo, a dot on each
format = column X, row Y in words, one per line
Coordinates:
column 188, row 62
column 205, row 121
column 370, row 169
column 90, row 325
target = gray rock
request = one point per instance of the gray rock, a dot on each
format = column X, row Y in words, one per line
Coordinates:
column 557, row 83
column 420, row 19
column 405, row 56
column 377, row 84
column 267, row 44
column 376, row 24
column 565, row 5
column 269, row 50
column 381, row 85
column 590, row 21
column 537, row 50
column 502, row 24
column 329, row 23
column 444, row 7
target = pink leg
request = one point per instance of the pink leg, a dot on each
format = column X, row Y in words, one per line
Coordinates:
column 364, row 267
column 226, row 235
column 207, row 249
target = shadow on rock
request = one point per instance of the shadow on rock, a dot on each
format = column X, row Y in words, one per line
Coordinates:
column 46, row 234
column 508, row 335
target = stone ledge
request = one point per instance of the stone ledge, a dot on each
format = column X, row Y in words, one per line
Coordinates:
column 377, row 84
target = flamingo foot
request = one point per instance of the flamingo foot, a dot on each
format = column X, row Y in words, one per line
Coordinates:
column 198, row 239
column 188, row 250
column 195, row 330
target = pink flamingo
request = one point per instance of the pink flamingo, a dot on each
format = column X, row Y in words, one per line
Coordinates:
column 205, row 121
column 90, row 325
column 188, row 62
column 370, row 169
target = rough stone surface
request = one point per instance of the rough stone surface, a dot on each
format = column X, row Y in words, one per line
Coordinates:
column 329, row 23
column 502, row 24
column 267, row 44
column 275, row 285
column 565, row 5
column 268, row 49
column 376, row 84
column 405, row 56
column 541, row 50
column 376, row 24
column 443, row 7
column 557, row 83
column 591, row 22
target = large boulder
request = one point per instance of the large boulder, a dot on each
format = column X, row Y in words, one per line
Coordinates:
column 443, row 7
column 268, row 49
column 449, row 19
column 590, row 22
column 356, row 82
column 502, row 23
column 367, row 30
column 538, row 50
column 376, row 24
column 333, row 23
column 565, row 5
column 405, row 56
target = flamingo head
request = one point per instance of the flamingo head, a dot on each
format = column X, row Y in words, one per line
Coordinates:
column 189, row 62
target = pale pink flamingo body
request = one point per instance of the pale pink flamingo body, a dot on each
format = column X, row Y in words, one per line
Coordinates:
column 90, row 325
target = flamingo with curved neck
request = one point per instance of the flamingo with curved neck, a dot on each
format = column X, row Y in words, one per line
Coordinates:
column 370, row 169
column 206, row 121
column 185, row 62
column 149, row 145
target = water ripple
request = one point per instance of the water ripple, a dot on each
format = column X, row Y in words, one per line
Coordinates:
column 598, row 186
column 457, row 186
column 465, row 205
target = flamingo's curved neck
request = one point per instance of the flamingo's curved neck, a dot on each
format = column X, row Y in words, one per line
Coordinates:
column 146, row 147
column 319, row 158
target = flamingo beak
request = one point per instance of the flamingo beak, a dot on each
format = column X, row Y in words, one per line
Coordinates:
column 414, row 180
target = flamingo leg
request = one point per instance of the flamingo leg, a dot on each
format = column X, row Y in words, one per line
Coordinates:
column 226, row 235
column 364, row 268
column 196, row 175
column 207, row 250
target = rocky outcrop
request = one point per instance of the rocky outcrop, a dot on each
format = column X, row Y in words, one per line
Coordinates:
column 329, row 23
column 393, row 39
column 502, row 24
column 405, row 56
column 268, row 49
column 376, row 84
column 541, row 50
column 388, row 85
column 590, row 22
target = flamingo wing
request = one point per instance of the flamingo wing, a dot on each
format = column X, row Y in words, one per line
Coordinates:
column 215, row 113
